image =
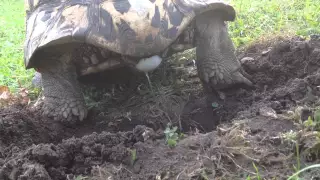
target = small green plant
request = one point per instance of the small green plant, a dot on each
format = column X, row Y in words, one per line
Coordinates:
column 294, row 176
column 290, row 136
column 309, row 122
column 258, row 176
column 313, row 124
column 133, row 156
column 171, row 135
column 317, row 116
column 298, row 160
column 257, row 171
column 80, row 177
column 204, row 175
column 293, row 137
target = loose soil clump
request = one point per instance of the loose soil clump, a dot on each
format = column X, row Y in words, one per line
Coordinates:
column 123, row 137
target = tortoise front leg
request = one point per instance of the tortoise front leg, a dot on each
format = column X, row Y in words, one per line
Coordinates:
column 63, row 99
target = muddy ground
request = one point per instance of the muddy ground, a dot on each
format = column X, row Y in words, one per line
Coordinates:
column 123, row 137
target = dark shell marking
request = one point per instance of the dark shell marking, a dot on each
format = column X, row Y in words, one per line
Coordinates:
column 122, row 6
column 107, row 26
column 155, row 22
column 174, row 14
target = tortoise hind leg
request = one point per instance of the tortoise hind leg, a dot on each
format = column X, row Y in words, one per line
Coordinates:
column 217, row 64
column 63, row 99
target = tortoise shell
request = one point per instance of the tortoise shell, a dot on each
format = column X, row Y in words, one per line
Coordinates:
column 137, row 28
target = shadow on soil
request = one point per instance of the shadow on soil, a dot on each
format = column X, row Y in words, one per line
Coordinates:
column 123, row 136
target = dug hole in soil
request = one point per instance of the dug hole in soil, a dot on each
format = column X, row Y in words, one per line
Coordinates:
column 123, row 137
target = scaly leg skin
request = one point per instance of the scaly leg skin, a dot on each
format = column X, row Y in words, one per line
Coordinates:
column 217, row 65
column 63, row 100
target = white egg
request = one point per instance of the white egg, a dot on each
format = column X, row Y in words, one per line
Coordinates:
column 149, row 64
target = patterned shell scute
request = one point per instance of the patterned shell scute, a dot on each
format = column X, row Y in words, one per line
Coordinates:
column 130, row 27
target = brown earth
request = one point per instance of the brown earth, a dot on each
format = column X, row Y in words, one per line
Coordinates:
column 127, row 118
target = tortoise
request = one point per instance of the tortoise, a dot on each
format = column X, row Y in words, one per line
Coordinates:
column 67, row 39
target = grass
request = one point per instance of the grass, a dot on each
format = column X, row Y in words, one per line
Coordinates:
column 255, row 19
column 12, row 33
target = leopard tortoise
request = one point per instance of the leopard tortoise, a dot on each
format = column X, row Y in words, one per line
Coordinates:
column 70, row 38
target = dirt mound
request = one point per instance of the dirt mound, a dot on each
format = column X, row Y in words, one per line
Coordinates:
column 75, row 154
column 20, row 128
column 286, row 74
column 123, row 137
